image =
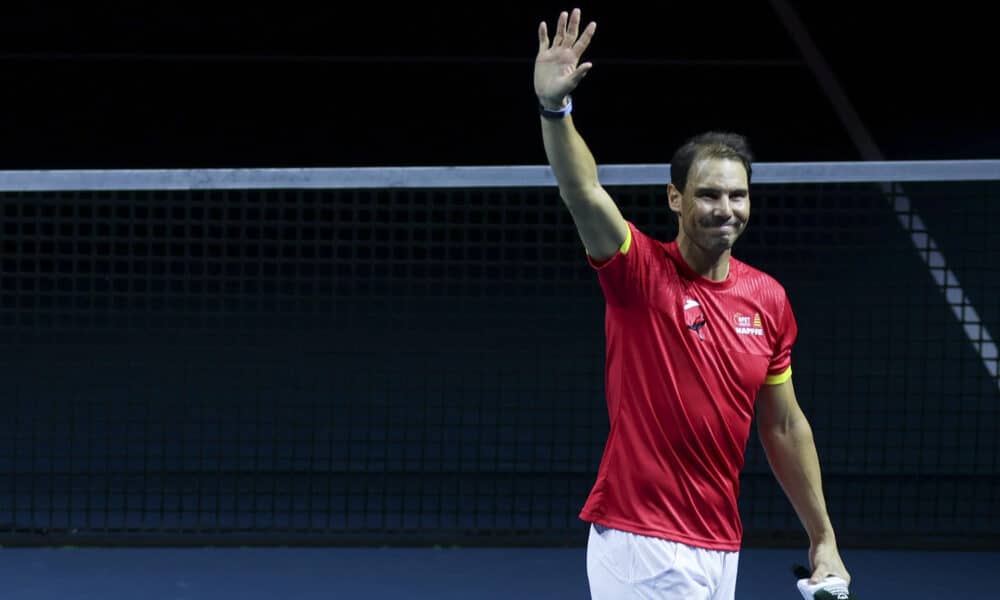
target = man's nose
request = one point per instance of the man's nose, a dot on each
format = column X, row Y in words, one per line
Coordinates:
column 724, row 207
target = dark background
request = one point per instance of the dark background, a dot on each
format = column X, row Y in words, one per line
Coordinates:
column 114, row 85
column 425, row 366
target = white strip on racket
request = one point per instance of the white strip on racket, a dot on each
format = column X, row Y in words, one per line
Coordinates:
column 831, row 588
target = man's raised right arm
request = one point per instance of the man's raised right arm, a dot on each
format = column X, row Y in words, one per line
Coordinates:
column 601, row 226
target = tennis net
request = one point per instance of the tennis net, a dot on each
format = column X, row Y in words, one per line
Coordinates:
column 415, row 356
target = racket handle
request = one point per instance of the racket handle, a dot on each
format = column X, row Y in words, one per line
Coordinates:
column 830, row 588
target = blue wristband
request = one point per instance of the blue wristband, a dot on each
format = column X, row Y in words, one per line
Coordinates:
column 556, row 114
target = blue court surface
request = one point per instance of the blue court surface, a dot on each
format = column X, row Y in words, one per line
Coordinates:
column 445, row 573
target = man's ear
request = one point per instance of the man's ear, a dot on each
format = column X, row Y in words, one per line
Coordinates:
column 674, row 198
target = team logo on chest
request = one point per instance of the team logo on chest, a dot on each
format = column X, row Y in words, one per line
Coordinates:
column 747, row 325
column 694, row 318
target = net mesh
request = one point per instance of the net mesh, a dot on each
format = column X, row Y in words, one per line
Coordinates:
column 426, row 366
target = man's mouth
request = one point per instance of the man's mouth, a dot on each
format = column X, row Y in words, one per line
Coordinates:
column 724, row 226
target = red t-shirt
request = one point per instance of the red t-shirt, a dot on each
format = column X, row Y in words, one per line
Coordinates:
column 686, row 357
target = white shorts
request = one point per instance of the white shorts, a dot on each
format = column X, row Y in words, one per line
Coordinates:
column 626, row 565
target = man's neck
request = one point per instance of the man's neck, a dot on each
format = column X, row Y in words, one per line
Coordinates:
column 714, row 266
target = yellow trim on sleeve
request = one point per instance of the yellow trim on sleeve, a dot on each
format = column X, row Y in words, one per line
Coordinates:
column 628, row 241
column 779, row 378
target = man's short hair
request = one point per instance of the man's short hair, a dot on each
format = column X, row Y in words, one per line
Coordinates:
column 711, row 144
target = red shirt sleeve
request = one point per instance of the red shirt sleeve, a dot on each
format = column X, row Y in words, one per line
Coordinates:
column 788, row 330
column 623, row 277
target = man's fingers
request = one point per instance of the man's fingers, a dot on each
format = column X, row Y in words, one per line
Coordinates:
column 580, row 73
column 567, row 33
column 822, row 573
column 543, row 37
column 585, row 37
column 573, row 27
column 818, row 574
column 560, row 29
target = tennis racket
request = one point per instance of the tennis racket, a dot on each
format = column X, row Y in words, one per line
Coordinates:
column 830, row 588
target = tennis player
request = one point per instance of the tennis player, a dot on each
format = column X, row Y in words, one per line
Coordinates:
column 697, row 342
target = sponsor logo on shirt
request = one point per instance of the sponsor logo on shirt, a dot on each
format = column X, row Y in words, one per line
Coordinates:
column 747, row 325
column 694, row 320
column 696, row 326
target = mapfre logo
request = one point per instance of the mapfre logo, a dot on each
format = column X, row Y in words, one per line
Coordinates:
column 747, row 325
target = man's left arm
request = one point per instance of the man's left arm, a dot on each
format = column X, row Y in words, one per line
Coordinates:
column 788, row 441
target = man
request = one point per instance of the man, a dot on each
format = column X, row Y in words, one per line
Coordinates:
column 696, row 342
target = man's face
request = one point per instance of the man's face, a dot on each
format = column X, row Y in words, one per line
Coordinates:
column 714, row 208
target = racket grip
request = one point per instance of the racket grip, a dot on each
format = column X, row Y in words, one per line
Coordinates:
column 830, row 588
